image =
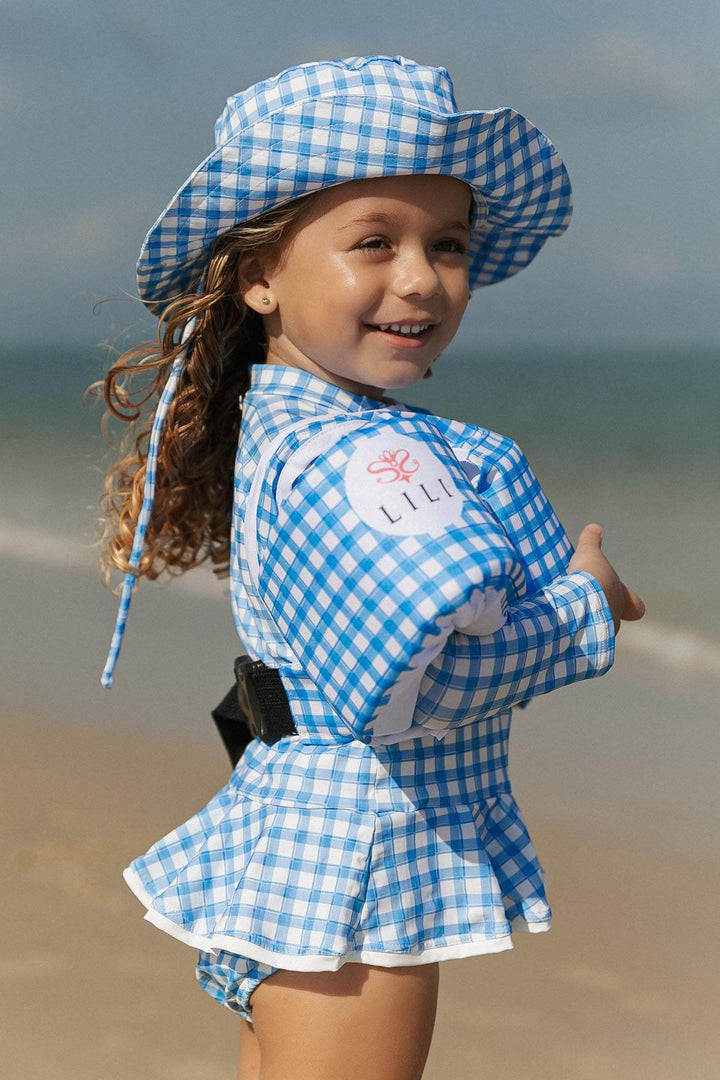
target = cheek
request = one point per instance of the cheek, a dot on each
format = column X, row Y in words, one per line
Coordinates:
column 346, row 295
column 460, row 294
column 302, row 300
column 354, row 278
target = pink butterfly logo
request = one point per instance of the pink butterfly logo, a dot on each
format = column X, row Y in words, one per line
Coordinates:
column 392, row 465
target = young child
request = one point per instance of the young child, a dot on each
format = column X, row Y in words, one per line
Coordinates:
column 401, row 575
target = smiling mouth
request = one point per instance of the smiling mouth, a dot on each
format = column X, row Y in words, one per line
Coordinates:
column 404, row 330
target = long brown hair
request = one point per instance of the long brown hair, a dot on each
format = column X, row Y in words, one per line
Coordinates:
column 190, row 520
column 192, row 509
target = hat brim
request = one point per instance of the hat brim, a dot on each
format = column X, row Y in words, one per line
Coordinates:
column 508, row 162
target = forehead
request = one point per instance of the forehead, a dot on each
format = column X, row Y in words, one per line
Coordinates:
column 444, row 196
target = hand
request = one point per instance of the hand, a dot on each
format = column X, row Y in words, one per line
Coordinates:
column 623, row 602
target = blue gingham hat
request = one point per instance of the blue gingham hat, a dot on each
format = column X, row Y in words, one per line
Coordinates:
column 324, row 123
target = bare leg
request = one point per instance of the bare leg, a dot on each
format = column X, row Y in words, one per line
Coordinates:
column 358, row 1023
column 249, row 1063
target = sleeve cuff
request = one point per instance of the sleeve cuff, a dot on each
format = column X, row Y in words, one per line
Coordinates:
column 595, row 634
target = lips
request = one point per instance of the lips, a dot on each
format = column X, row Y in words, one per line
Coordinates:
column 416, row 331
column 399, row 341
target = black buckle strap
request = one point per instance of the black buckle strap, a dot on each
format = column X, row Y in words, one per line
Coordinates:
column 231, row 722
column 255, row 707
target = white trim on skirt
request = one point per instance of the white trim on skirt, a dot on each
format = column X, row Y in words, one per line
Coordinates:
column 315, row 962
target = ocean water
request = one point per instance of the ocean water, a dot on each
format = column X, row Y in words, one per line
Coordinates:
column 629, row 438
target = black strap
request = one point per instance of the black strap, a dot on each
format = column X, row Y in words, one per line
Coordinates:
column 255, row 707
column 231, row 722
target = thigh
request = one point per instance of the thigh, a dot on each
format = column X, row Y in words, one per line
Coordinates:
column 358, row 1023
column 249, row 1058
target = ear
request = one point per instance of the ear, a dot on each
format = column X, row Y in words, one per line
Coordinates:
column 254, row 287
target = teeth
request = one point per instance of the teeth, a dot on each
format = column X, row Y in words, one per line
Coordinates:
column 404, row 328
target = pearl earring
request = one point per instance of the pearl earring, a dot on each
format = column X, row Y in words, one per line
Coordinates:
column 265, row 300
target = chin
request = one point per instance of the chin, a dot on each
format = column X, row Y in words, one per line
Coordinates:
column 405, row 376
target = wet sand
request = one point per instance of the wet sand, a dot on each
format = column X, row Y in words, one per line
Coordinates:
column 625, row 985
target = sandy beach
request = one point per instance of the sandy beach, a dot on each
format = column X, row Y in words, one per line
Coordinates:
column 624, row 986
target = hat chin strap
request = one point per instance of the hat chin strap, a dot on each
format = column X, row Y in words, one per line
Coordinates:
column 145, row 511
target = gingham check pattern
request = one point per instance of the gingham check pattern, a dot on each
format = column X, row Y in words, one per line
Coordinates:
column 357, row 607
column 230, row 979
column 326, row 847
column 325, row 123
column 166, row 399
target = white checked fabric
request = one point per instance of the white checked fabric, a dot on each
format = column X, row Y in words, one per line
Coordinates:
column 324, row 123
column 340, row 843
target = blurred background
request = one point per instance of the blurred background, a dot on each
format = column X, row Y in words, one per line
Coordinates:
column 600, row 359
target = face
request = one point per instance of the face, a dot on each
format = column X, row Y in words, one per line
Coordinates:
column 369, row 255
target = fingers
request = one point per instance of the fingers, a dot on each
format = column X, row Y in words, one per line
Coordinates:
column 590, row 540
column 592, row 535
column 633, row 607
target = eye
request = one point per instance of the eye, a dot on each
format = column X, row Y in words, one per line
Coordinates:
column 448, row 245
column 455, row 246
column 372, row 243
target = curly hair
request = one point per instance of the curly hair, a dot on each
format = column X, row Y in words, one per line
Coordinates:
column 192, row 509
column 191, row 515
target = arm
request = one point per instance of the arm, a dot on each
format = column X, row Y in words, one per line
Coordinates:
column 563, row 634
column 368, row 581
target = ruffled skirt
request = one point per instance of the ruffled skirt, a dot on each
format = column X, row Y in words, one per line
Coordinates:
column 319, row 853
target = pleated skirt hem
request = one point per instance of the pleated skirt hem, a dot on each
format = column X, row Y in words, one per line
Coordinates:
column 468, row 946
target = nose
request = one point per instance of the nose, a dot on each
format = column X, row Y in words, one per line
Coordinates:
column 415, row 274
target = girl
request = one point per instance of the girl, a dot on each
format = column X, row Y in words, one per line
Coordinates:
column 401, row 576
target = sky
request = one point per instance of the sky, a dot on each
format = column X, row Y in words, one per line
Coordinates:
column 106, row 108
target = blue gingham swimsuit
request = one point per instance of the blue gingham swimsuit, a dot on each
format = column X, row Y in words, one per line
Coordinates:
column 406, row 622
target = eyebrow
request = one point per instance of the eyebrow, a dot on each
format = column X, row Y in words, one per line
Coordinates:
column 391, row 219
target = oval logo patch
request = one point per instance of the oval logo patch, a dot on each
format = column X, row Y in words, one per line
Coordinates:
column 396, row 485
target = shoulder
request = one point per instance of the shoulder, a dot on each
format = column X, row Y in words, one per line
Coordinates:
column 390, row 450
column 482, row 450
column 393, row 470
column 341, row 443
